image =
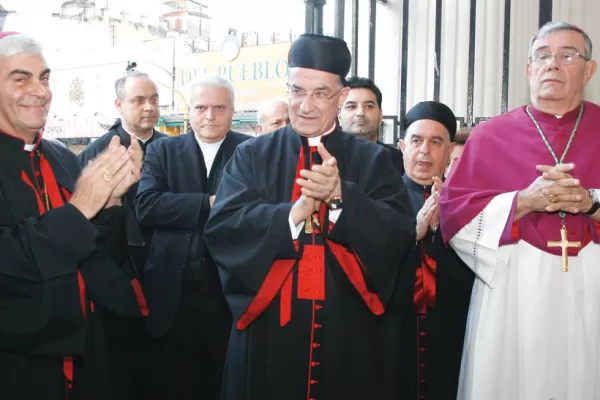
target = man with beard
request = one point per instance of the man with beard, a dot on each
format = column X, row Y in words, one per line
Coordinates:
column 62, row 242
column 137, row 103
column 361, row 115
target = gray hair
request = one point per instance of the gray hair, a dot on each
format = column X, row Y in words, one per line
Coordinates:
column 19, row 44
column 212, row 81
column 265, row 105
column 120, row 83
column 557, row 26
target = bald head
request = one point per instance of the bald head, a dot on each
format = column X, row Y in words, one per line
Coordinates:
column 272, row 115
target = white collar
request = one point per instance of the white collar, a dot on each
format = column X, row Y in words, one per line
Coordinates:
column 209, row 146
column 29, row 147
column 315, row 140
column 136, row 136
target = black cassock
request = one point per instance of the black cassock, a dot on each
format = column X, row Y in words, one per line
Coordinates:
column 429, row 313
column 309, row 329
column 56, row 269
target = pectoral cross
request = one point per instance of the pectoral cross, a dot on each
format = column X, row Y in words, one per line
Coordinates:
column 308, row 224
column 564, row 244
column 308, row 229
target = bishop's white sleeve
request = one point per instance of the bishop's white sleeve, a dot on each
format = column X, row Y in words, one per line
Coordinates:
column 478, row 242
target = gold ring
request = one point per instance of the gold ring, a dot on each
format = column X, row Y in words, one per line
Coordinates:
column 553, row 198
column 107, row 175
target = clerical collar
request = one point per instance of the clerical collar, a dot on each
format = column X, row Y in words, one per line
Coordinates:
column 314, row 141
column 412, row 185
column 136, row 136
column 36, row 142
column 569, row 116
column 209, row 146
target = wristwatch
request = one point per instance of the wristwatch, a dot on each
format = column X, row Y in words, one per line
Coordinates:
column 595, row 202
column 335, row 203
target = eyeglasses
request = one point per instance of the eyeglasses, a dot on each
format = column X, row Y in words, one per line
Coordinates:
column 563, row 57
column 320, row 96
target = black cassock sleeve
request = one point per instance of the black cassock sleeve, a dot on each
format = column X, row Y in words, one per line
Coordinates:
column 451, row 270
column 30, row 250
column 36, row 253
column 108, row 271
column 244, row 232
column 158, row 208
column 377, row 222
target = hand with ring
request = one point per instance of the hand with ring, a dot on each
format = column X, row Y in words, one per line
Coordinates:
column 107, row 175
column 100, row 178
column 536, row 198
column 565, row 193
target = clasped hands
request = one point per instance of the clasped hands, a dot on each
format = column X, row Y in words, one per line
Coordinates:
column 320, row 184
column 429, row 216
column 106, row 179
column 556, row 190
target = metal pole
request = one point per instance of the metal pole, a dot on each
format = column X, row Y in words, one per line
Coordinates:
column 404, row 67
column 438, row 50
column 506, row 56
column 174, row 72
column 471, row 70
column 545, row 12
column 354, row 37
column 309, row 17
column 340, row 13
column 318, row 23
column 372, row 34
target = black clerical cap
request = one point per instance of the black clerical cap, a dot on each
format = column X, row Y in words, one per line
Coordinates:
column 323, row 53
column 435, row 111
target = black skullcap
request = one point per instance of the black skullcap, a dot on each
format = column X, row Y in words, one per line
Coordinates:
column 323, row 53
column 434, row 111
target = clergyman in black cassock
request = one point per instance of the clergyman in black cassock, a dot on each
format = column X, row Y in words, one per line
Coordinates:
column 126, row 339
column 431, row 302
column 62, row 243
column 309, row 265
column 189, row 320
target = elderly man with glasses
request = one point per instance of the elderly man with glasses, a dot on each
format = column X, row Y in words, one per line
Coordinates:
column 521, row 209
column 309, row 228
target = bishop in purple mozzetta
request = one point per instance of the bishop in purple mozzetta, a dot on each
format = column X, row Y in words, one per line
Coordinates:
column 521, row 209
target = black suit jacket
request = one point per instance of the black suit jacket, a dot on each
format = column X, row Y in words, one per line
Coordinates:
column 173, row 201
column 137, row 238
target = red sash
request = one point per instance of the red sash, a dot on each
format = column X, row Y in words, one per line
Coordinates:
column 311, row 273
column 57, row 197
column 425, row 284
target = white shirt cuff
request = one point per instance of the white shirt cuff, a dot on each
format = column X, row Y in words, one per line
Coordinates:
column 295, row 229
column 334, row 215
